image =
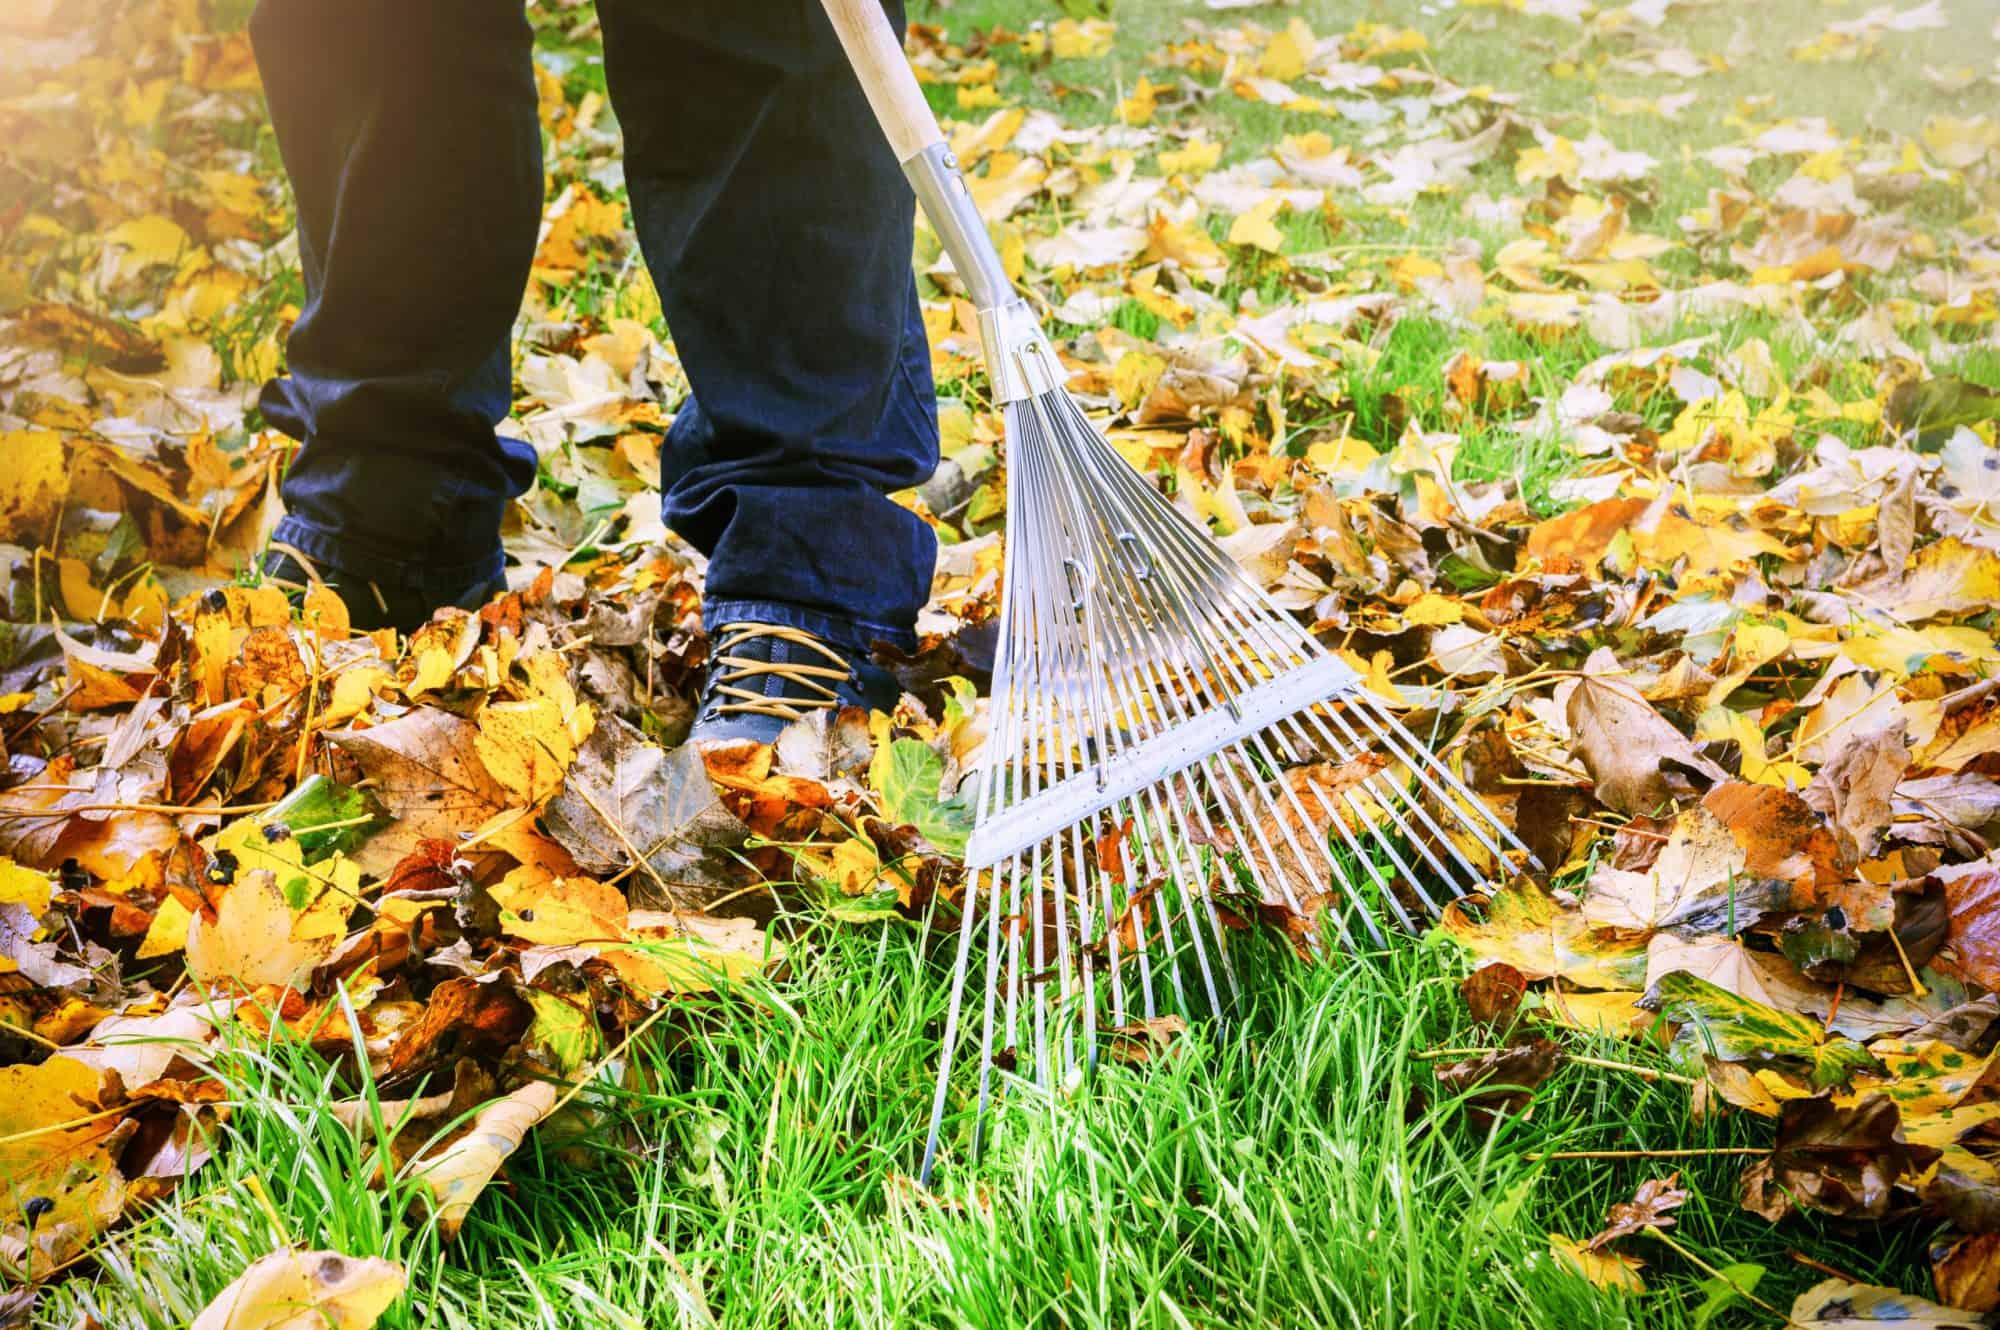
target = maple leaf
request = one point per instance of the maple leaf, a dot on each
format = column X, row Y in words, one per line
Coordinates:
column 427, row 770
column 628, row 803
column 1838, row 1161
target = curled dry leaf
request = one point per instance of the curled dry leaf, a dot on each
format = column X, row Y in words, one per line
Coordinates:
column 1145, row 1040
column 1639, row 762
column 1967, row 1272
column 456, row 1172
column 1648, row 1208
column 1501, row 1082
column 1972, row 896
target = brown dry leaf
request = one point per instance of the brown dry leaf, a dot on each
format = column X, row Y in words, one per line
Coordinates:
column 1145, row 1040
column 1639, row 762
column 305, row 1290
column 1493, row 994
column 628, row 803
column 1967, row 1272
column 1647, row 1209
column 1696, row 884
column 1502, row 1082
column 1972, row 895
column 1855, row 786
column 429, row 774
column 1838, row 1161
column 463, row 1018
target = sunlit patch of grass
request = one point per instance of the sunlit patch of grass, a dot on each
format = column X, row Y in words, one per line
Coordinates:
column 1293, row 1165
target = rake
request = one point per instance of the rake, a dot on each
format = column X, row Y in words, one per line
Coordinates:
column 1164, row 744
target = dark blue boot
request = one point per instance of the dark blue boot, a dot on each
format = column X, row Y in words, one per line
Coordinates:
column 764, row 676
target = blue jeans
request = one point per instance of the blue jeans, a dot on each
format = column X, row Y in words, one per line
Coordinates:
column 777, row 226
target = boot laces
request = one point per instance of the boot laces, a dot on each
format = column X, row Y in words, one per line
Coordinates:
column 808, row 681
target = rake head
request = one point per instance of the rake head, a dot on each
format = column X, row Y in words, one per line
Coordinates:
column 1166, row 747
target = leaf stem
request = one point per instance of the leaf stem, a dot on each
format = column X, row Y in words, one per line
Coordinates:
column 1689, row 1152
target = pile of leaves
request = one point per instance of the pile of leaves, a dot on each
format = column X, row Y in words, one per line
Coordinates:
column 1727, row 669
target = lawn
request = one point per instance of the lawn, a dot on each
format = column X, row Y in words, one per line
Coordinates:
column 748, row 1162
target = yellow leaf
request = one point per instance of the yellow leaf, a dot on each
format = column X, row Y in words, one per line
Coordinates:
column 977, row 96
column 1555, row 159
column 1907, row 651
column 70, row 1167
column 1201, row 155
column 252, row 941
column 526, row 745
column 1606, row 1269
column 1341, row 456
column 168, row 932
column 434, row 670
column 305, row 1290
column 1256, row 227
column 687, row 953
column 25, row 886
column 1189, row 246
column 1134, row 376
column 1071, row 40
column 84, row 602
column 854, row 867
column 1139, row 107
column 559, row 911
column 32, row 484
column 148, row 242
column 1288, row 53
column 1431, row 610
column 1617, row 1014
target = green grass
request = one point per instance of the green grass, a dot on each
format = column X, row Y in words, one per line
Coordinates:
column 1293, row 1167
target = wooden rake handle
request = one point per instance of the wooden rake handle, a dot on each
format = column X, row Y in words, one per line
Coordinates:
column 893, row 93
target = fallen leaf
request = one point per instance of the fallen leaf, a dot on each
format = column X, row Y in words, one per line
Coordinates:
column 305, row 1290
column 458, row 1172
column 1606, row 1270
column 1836, row 1304
column 1639, row 762
column 428, row 772
column 628, row 803
column 1838, row 1161
column 1647, row 1209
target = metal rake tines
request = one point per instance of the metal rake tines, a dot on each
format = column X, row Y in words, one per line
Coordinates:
column 1165, row 743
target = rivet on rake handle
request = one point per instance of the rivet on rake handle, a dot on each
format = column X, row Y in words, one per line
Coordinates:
column 1150, row 710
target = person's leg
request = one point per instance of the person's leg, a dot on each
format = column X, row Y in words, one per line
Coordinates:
column 410, row 135
column 777, row 226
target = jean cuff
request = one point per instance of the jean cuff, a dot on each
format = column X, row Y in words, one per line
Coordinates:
column 854, row 634
column 329, row 550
